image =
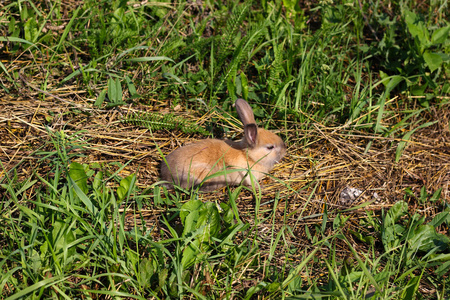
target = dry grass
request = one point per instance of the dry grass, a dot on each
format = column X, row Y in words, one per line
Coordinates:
column 327, row 159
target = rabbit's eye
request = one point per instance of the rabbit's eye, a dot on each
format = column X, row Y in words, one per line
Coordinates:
column 270, row 147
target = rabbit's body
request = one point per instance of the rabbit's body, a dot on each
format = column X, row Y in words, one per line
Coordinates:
column 257, row 153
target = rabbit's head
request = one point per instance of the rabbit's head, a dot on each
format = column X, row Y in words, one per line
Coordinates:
column 263, row 147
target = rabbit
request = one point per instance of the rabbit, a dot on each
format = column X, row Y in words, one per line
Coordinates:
column 257, row 152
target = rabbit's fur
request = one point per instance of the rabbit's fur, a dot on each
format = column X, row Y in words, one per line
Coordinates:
column 257, row 152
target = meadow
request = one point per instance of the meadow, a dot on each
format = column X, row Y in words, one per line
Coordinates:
column 93, row 95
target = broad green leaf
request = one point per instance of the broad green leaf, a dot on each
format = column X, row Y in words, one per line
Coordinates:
column 433, row 60
column 31, row 30
column 36, row 261
column 436, row 196
column 190, row 253
column 289, row 4
column 273, row 287
column 126, row 186
column 383, row 76
column 188, row 207
column 12, row 25
column 440, row 257
column 418, row 89
column 364, row 238
column 119, row 94
column 162, row 277
column 209, row 217
column 131, row 86
column 190, row 222
column 203, row 222
column 392, row 232
column 132, row 258
column 398, row 210
column 112, row 90
column 254, row 289
column 295, row 283
column 227, row 213
column 115, row 94
column 443, row 269
column 440, row 218
column 426, row 239
column 77, row 173
column 423, row 195
column 395, row 80
column 101, row 98
column 417, row 28
column 391, row 236
column 244, row 83
column 97, row 181
column 44, row 249
column 440, row 35
column 146, row 271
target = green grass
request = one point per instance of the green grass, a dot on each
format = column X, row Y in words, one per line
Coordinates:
column 381, row 67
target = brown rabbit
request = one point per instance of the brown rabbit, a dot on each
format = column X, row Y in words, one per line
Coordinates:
column 257, row 153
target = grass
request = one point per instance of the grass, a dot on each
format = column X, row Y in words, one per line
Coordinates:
column 94, row 92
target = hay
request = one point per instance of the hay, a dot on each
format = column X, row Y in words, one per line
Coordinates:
column 321, row 163
column 334, row 158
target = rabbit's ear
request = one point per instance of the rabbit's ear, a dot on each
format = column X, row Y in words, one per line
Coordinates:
column 251, row 133
column 245, row 112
